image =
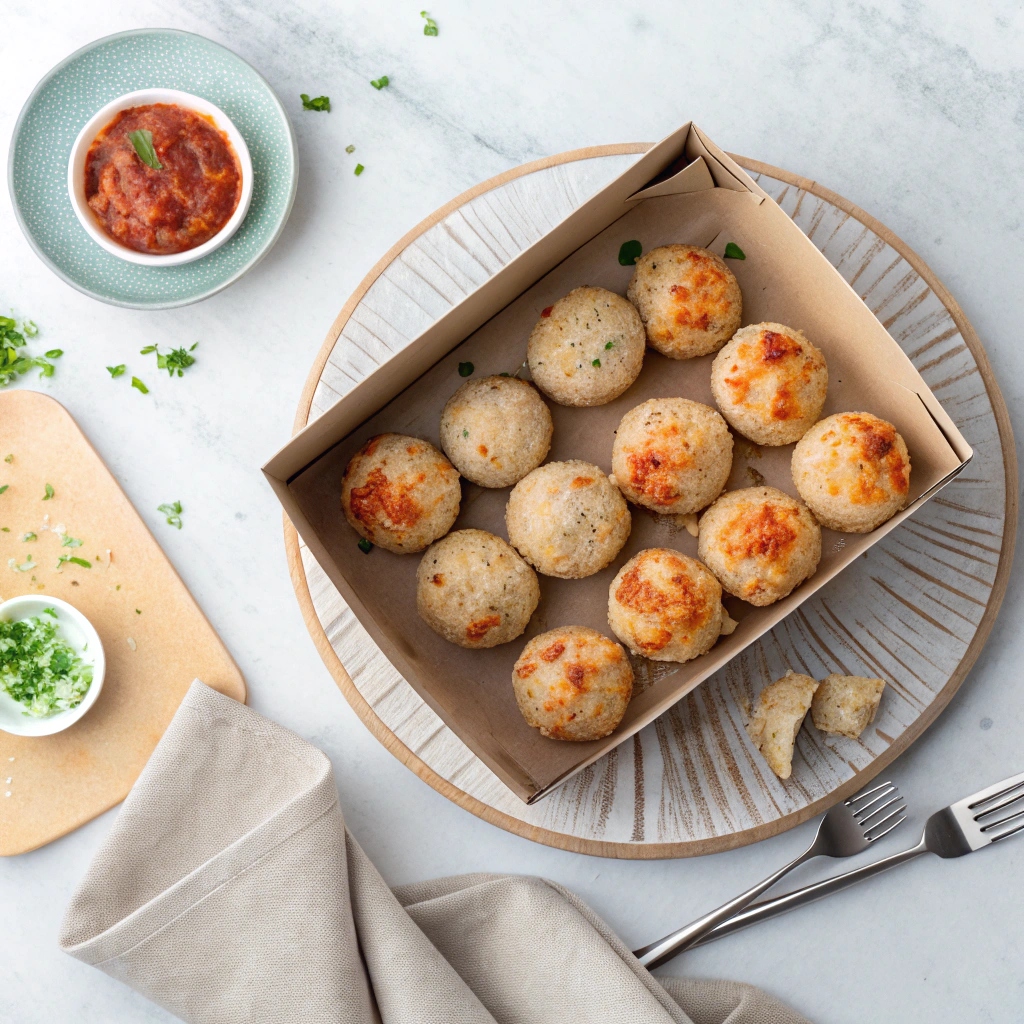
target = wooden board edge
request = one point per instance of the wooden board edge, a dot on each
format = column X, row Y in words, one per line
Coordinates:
column 699, row 847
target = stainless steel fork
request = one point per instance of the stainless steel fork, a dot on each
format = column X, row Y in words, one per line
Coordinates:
column 986, row 817
column 848, row 828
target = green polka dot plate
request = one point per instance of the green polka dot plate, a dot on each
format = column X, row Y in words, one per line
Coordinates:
column 93, row 76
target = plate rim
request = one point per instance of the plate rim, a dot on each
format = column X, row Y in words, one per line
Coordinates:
column 176, row 303
column 696, row 847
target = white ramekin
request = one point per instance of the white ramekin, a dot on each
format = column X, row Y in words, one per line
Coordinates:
column 78, row 631
column 99, row 120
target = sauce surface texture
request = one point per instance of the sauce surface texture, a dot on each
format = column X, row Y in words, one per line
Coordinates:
column 170, row 210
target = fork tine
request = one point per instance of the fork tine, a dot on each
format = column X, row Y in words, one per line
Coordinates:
column 902, row 812
column 880, row 796
column 862, row 821
column 1012, row 795
column 867, row 792
column 1003, row 821
column 1006, row 835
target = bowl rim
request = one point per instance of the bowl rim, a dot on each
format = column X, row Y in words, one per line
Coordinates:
column 96, row 123
column 62, row 719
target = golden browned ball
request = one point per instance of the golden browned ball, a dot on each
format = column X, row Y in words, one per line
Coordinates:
column 400, row 493
column 567, row 519
column 587, row 348
column 672, row 455
column 666, row 606
column 474, row 590
column 853, row 470
column 688, row 299
column 495, row 430
column 770, row 383
column 573, row 683
column 760, row 543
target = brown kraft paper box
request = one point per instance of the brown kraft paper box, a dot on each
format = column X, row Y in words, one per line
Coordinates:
column 686, row 190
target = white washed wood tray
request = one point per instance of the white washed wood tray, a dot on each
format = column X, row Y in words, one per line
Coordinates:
column 916, row 609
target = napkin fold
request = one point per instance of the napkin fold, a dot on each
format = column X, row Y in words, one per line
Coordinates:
column 229, row 892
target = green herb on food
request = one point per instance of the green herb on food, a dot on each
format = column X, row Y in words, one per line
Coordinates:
column 25, row 566
column 55, row 353
column 597, row 363
column 177, row 361
column 39, row 669
column 380, row 83
column 48, row 493
column 29, row 536
column 350, row 148
column 365, row 546
column 609, row 344
column 172, row 511
column 359, row 170
column 5, row 529
column 139, row 386
column 465, row 433
column 430, row 29
column 138, row 611
column 70, row 542
column 734, row 252
column 466, row 369
column 52, row 612
column 29, row 327
column 4, row 488
column 142, row 140
column 116, row 371
column 629, row 252
column 316, row 103
column 14, row 362
column 83, row 562
column 9, row 459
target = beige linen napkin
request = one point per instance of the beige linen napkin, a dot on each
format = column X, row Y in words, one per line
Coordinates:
column 229, row 892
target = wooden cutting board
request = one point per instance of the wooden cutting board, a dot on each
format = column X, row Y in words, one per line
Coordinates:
column 156, row 638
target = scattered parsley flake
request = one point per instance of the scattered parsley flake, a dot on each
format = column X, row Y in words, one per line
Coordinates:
column 116, row 371
column 350, row 148
column 138, row 611
column 55, row 353
column 734, row 252
column 29, row 536
column 142, row 140
column 629, row 252
column 14, row 362
column 5, row 529
column 597, row 363
column 4, row 488
column 50, row 611
column 49, row 493
column 139, row 386
column 172, row 510
column 466, row 369
column 27, row 566
column 365, row 546
column 430, row 29
column 177, row 361
column 380, row 83
column 609, row 344
column 83, row 562
column 9, row 459
column 359, row 170
column 71, row 542
column 322, row 103
column 29, row 328
column 465, row 433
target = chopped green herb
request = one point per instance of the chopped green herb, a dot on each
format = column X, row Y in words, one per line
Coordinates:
column 609, row 344
column 629, row 252
column 350, row 148
column 9, row 459
column 172, row 511
column 4, row 488
column 48, row 493
column 139, row 386
column 83, row 562
column 70, row 542
column 430, row 29
column 51, row 612
column 25, row 566
column 13, row 363
column 39, row 669
column 138, row 611
column 316, row 103
column 504, row 373
column 177, row 361
column 29, row 536
column 142, row 140
column 5, row 529
column 359, row 170
column 55, row 353
column 597, row 363
column 380, row 83
column 116, row 371
column 466, row 369
column 365, row 546
column 734, row 252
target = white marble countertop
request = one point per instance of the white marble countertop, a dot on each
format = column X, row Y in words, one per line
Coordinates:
column 913, row 111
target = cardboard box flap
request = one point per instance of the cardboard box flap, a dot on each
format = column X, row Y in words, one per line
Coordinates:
column 726, row 172
column 694, row 177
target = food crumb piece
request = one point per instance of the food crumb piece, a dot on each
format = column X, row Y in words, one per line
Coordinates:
column 131, row 643
column 729, row 624
column 9, row 781
column 8, row 793
column 756, row 478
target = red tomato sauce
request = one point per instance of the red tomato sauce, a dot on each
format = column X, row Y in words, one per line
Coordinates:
column 169, row 210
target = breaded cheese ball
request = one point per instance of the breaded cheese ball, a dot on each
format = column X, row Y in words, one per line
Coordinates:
column 760, row 543
column 688, row 299
column 846, row 704
column 672, row 455
column 474, row 590
column 770, row 383
column 853, row 470
column 780, row 711
column 573, row 683
column 495, row 430
column 665, row 606
column 400, row 493
column 587, row 348
column 567, row 519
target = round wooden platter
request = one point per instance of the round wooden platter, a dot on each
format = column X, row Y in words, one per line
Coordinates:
column 915, row 610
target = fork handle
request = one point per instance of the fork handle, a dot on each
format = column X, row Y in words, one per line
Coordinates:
column 808, row 894
column 663, row 949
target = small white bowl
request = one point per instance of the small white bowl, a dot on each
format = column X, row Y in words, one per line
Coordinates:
column 78, row 631
column 102, row 117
